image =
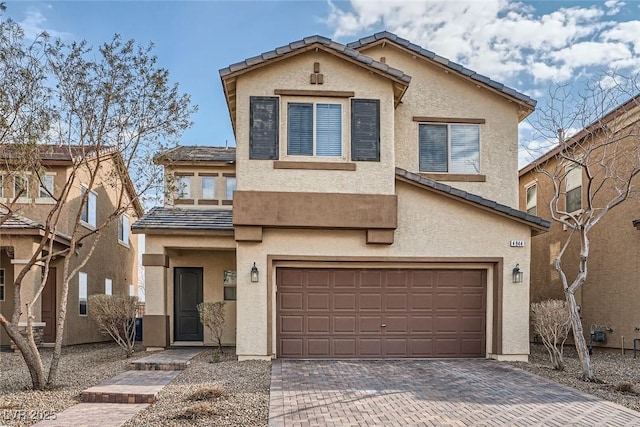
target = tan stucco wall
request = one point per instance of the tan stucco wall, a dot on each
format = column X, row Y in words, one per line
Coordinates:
column 213, row 254
column 339, row 75
column 435, row 93
column 429, row 225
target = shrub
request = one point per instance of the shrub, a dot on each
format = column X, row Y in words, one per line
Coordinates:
column 213, row 317
column 198, row 410
column 116, row 317
column 625, row 387
column 551, row 322
column 208, row 393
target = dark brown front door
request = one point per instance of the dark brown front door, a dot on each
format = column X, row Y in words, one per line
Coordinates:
column 187, row 286
column 49, row 305
column 380, row 313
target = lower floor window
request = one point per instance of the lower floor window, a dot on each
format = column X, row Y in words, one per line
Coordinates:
column 82, row 294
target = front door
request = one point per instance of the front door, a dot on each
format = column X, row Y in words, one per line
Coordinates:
column 187, row 288
column 48, row 312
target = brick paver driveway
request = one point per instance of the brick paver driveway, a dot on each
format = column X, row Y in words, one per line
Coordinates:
column 429, row 393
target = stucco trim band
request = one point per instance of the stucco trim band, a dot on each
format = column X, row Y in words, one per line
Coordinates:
column 281, row 164
column 323, row 93
column 380, row 237
column 449, row 120
column 454, row 177
column 315, row 210
column 155, row 260
column 248, row 233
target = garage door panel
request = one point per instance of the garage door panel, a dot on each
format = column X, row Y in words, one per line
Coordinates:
column 291, row 301
column 345, row 324
column 318, row 347
column 317, row 301
column 345, row 302
column 344, row 347
column 341, row 313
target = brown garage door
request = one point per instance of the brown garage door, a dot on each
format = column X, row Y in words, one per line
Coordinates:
column 380, row 313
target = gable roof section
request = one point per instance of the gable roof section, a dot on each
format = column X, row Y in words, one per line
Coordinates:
column 15, row 224
column 228, row 75
column 385, row 36
column 588, row 131
column 538, row 224
column 193, row 154
column 197, row 221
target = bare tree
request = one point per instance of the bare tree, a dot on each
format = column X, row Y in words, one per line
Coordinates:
column 603, row 158
column 109, row 110
column 551, row 322
column 213, row 317
column 116, row 316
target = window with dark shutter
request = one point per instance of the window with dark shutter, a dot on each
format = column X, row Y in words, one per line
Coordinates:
column 365, row 130
column 263, row 134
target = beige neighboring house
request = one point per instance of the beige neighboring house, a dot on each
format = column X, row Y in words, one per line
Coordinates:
column 374, row 213
column 608, row 298
column 112, row 268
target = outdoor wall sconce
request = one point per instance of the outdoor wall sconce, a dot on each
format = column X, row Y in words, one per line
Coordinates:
column 255, row 274
column 517, row 274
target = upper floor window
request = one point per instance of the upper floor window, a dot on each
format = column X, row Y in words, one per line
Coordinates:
column 314, row 130
column 532, row 199
column 452, row 148
column 183, row 187
column 573, row 183
column 82, row 294
column 89, row 209
column 1, row 284
column 108, row 286
column 123, row 229
column 231, row 187
column 208, row 187
column 46, row 187
column 21, row 186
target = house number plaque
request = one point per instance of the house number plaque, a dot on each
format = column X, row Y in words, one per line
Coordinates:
column 517, row 244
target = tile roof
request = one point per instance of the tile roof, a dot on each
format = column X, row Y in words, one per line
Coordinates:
column 365, row 41
column 194, row 153
column 311, row 40
column 19, row 222
column 473, row 199
column 53, row 152
column 161, row 218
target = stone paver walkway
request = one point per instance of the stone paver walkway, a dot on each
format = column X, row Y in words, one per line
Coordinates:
column 429, row 393
column 114, row 401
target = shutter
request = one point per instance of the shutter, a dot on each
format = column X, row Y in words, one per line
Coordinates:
column 433, row 148
column 365, row 130
column 465, row 149
column 300, row 129
column 329, row 130
column 263, row 127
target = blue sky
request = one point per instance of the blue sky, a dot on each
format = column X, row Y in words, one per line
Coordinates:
column 527, row 45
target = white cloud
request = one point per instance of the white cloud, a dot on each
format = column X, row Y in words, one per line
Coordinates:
column 502, row 39
column 34, row 22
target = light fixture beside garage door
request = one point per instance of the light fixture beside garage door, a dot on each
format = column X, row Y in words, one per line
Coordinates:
column 518, row 275
column 255, row 274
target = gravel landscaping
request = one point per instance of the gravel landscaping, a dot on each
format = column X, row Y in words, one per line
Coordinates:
column 232, row 393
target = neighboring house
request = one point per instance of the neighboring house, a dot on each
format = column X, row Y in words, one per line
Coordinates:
column 112, row 268
column 608, row 298
column 372, row 215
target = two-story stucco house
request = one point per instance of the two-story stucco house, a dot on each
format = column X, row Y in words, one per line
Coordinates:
column 608, row 298
column 376, row 191
column 111, row 269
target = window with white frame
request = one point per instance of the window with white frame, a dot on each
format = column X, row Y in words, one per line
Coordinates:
column 449, row 148
column 89, row 209
column 208, row 187
column 1, row 284
column 231, row 187
column 108, row 286
column 46, row 187
column 532, row 199
column 82, row 294
column 314, row 129
column 21, row 186
column 573, row 183
column 183, row 187
column 123, row 229
column 132, row 291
